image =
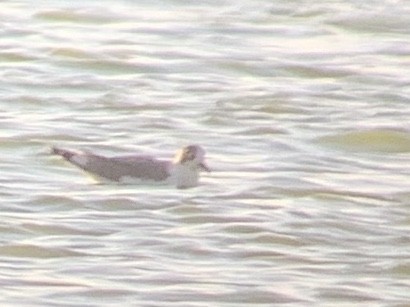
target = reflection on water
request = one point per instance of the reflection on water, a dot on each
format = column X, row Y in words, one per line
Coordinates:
column 302, row 107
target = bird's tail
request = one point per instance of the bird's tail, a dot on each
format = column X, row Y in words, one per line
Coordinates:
column 66, row 154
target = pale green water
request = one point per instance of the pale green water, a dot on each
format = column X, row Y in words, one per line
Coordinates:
column 302, row 107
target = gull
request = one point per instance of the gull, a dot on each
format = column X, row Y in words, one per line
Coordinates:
column 183, row 171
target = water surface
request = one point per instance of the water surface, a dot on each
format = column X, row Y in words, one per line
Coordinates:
column 302, row 107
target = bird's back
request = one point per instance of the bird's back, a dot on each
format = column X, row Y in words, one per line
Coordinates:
column 118, row 168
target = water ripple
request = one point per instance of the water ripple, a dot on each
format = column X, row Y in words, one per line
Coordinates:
column 302, row 108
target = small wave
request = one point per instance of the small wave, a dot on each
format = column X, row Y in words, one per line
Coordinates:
column 73, row 53
column 33, row 251
column 370, row 141
column 74, row 16
column 16, row 57
column 376, row 22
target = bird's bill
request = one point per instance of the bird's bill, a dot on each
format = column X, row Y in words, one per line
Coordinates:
column 204, row 167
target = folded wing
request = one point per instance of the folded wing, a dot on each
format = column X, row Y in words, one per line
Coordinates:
column 118, row 168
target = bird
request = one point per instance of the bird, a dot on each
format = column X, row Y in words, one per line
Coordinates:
column 183, row 171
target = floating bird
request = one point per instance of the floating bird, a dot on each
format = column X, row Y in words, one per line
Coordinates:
column 183, row 171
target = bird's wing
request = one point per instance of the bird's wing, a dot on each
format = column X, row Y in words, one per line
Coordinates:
column 116, row 168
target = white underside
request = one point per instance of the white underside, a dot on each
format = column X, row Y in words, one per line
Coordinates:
column 134, row 180
column 129, row 180
column 181, row 177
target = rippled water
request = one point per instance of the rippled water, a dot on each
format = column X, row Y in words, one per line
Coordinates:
column 303, row 108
